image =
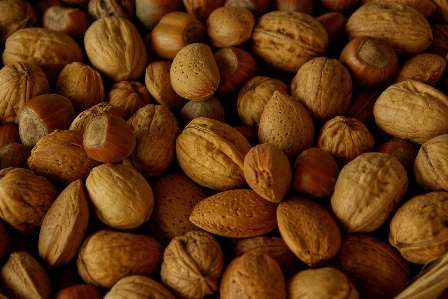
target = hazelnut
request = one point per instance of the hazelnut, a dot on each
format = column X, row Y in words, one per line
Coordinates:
column 257, row 7
column 9, row 133
column 211, row 108
column 305, row 6
column 201, row 9
column 71, row 21
column 14, row 155
column 403, row 150
column 150, row 12
column 79, row 291
column 108, row 138
column 342, row 6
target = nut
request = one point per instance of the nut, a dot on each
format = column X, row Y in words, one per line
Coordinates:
column 129, row 95
column 201, row 9
column 210, row 108
column 361, row 105
column 78, row 292
column 138, row 286
column 103, row 108
column 439, row 43
column 69, row 20
column 257, row 7
column 425, row 7
column 9, row 133
column 151, row 12
column 14, row 155
column 118, row 8
column 403, row 150
column 341, row 6
column 426, row 67
column 305, row 6
column 334, row 22
column 16, row 14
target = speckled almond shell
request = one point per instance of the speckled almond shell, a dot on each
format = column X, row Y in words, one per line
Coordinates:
column 237, row 213
column 194, row 73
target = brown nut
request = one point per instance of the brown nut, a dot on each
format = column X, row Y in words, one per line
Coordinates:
column 14, row 155
column 107, row 256
column 103, row 108
column 403, row 150
column 334, row 22
column 368, row 190
column 69, row 20
column 238, row 213
column 426, row 67
column 210, row 108
column 129, row 95
column 439, row 43
column 79, row 291
column 122, row 198
column 192, row 265
column 201, row 9
column 16, row 14
column 138, row 286
column 9, row 133
column 342, row 6
column 361, row 105
column 257, row 7
column 151, row 12
column 425, row 7
column 305, row 6
column 118, row 8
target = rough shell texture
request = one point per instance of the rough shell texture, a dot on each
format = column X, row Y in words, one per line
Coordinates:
column 115, row 47
column 345, row 138
column 61, row 158
column 253, row 275
column 192, row 265
column 309, row 230
column 138, row 287
column 123, row 199
column 426, row 67
column 25, row 197
column 48, row 49
column 324, row 87
column 430, row 166
column 22, row 276
column 107, row 256
column 412, row 110
column 402, row 27
column 238, row 213
column 373, row 266
column 419, row 228
column 129, row 95
column 19, row 82
column 102, row 108
column 286, row 123
column 175, row 195
column 194, row 73
column 286, row 40
column 368, row 190
column 16, row 14
column 64, row 226
column 332, row 284
column 120, row 8
column 268, row 172
column 156, row 129
column 212, row 153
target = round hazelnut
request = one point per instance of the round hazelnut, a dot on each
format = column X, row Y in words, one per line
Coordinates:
column 404, row 150
column 9, row 133
column 71, row 21
column 79, row 291
column 211, row 108
column 305, row 6
column 150, row 12
column 342, row 6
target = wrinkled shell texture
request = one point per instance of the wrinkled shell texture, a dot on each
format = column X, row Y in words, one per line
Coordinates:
column 287, row 124
column 64, row 226
column 430, row 166
column 286, row 40
column 138, row 287
column 194, row 73
column 324, row 87
column 368, row 190
column 119, row 8
column 235, row 213
column 309, row 230
column 130, row 96
column 192, row 265
column 212, row 153
column 107, row 256
column 419, row 228
column 345, row 138
column 332, row 284
column 156, row 129
column 402, row 27
column 412, row 110
column 24, row 199
column 19, row 82
column 48, row 49
column 123, row 199
column 253, row 275
column 16, row 14
column 123, row 59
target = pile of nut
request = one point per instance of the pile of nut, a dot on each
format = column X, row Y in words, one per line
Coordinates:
column 223, row 149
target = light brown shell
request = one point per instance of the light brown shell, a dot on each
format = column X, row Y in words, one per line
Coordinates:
column 309, row 230
column 425, row 67
column 286, row 123
column 119, row 8
column 412, row 110
column 238, row 213
column 368, row 190
column 48, row 49
column 122, row 198
column 16, row 14
column 123, row 59
column 102, row 108
column 212, row 153
column 107, row 256
column 129, row 95
column 210, row 108
column 138, row 286
column 286, row 40
column 194, row 73
column 192, row 265
column 405, row 29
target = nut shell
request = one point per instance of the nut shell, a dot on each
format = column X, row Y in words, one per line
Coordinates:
column 138, row 286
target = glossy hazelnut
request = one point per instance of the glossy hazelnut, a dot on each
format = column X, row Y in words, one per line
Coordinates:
column 371, row 62
column 149, row 12
column 342, row 6
column 257, row 7
column 42, row 115
column 14, row 155
column 334, row 22
column 305, row 6
column 9, row 133
column 71, row 21
column 404, row 150
column 108, row 138
column 80, row 291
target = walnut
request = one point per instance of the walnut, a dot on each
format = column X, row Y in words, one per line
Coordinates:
column 16, row 14
column 118, row 8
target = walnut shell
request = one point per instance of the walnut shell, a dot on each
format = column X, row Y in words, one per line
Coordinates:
column 156, row 129
column 26, row 199
column 48, row 49
column 286, row 40
column 192, row 265
column 129, row 95
column 324, row 87
column 138, row 286
column 119, row 8
column 16, row 14
column 286, row 123
column 405, row 29
column 123, row 199
column 201, row 9
column 368, row 190
column 19, row 82
column 107, row 256
column 123, row 59
column 238, row 213
column 412, row 110
column 212, row 153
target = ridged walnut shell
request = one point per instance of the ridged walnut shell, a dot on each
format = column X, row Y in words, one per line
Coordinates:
column 16, row 14
column 138, row 286
column 412, row 110
column 212, row 153
column 368, row 190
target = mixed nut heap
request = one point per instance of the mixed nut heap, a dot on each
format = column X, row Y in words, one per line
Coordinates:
column 223, row 149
